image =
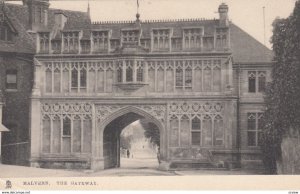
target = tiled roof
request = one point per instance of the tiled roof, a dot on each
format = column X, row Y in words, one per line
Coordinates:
column 244, row 47
column 24, row 43
column 176, row 25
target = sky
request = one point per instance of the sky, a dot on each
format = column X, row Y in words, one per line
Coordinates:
column 247, row 14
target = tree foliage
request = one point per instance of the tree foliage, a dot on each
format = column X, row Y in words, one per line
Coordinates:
column 283, row 94
column 125, row 141
column 151, row 132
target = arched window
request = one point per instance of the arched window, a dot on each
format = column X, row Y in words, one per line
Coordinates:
column 179, row 77
column 46, row 134
column 5, row 33
column 261, row 81
column 129, row 72
column 66, row 135
column 252, row 81
column 174, row 127
column 207, row 77
column 56, row 135
column 120, row 73
column 184, row 130
column 216, row 78
column 83, row 77
column 188, row 77
column 251, row 129
column 196, row 131
column 140, row 73
column 218, row 131
column 74, row 83
column 207, row 131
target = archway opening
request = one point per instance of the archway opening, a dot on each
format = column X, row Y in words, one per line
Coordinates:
column 131, row 141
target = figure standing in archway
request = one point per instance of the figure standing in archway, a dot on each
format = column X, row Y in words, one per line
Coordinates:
column 128, row 153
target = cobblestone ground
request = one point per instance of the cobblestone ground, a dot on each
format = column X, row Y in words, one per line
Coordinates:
column 129, row 167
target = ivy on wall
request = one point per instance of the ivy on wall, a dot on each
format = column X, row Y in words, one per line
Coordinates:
column 282, row 95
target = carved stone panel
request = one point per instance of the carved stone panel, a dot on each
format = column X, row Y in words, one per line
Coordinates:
column 66, row 108
column 157, row 111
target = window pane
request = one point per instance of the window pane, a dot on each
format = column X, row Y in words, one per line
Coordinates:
column 46, row 135
column 261, row 84
column 139, row 76
column 174, row 132
column 207, row 131
column 196, row 138
column 56, row 135
column 218, row 131
column 76, row 136
column 207, row 79
column 184, row 131
column 129, row 74
column 83, row 78
column 11, row 79
column 120, row 75
column 179, row 77
column 188, row 78
column 74, row 78
column 251, row 138
column 251, row 121
column 196, row 125
column 252, row 81
column 66, row 127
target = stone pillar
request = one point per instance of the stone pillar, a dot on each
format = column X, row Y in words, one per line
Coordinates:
column 35, row 111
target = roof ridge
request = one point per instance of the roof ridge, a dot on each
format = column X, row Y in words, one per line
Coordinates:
column 51, row 9
column 154, row 21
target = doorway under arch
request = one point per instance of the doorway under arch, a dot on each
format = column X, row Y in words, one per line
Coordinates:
column 112, row 131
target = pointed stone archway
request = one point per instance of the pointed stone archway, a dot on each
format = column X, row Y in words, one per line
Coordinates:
column 113, row 119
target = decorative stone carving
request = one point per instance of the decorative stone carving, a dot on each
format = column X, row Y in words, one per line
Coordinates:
column 66, row 108
column 157, row 111
column 196, row 107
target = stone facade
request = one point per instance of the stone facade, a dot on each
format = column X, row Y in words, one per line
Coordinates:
column 201, row 82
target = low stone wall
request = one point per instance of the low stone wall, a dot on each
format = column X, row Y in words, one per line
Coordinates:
column 290, row 163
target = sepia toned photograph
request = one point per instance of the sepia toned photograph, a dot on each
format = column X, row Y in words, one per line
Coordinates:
column 137, row 88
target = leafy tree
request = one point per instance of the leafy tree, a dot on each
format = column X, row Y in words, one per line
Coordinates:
column 125, row 141
column 283, row 94
column 151, row 132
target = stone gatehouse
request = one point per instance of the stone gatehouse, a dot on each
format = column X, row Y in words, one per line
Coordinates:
column 199, row 81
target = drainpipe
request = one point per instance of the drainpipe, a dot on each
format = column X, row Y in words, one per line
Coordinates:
column 2, row 127
column 238, row 116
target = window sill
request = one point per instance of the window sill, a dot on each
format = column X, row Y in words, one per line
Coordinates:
column 11, row 90
column 131, row 86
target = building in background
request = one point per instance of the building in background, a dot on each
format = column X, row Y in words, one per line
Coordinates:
column 199, row 81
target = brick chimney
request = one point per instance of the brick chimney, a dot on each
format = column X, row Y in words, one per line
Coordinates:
column 223, row 15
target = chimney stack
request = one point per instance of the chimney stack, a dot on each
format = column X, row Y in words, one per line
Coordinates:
column 38, row 13
column 223, row 15
column 60, row 20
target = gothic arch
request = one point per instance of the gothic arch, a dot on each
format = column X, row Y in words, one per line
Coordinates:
column 136, row 110
column 150, row 113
